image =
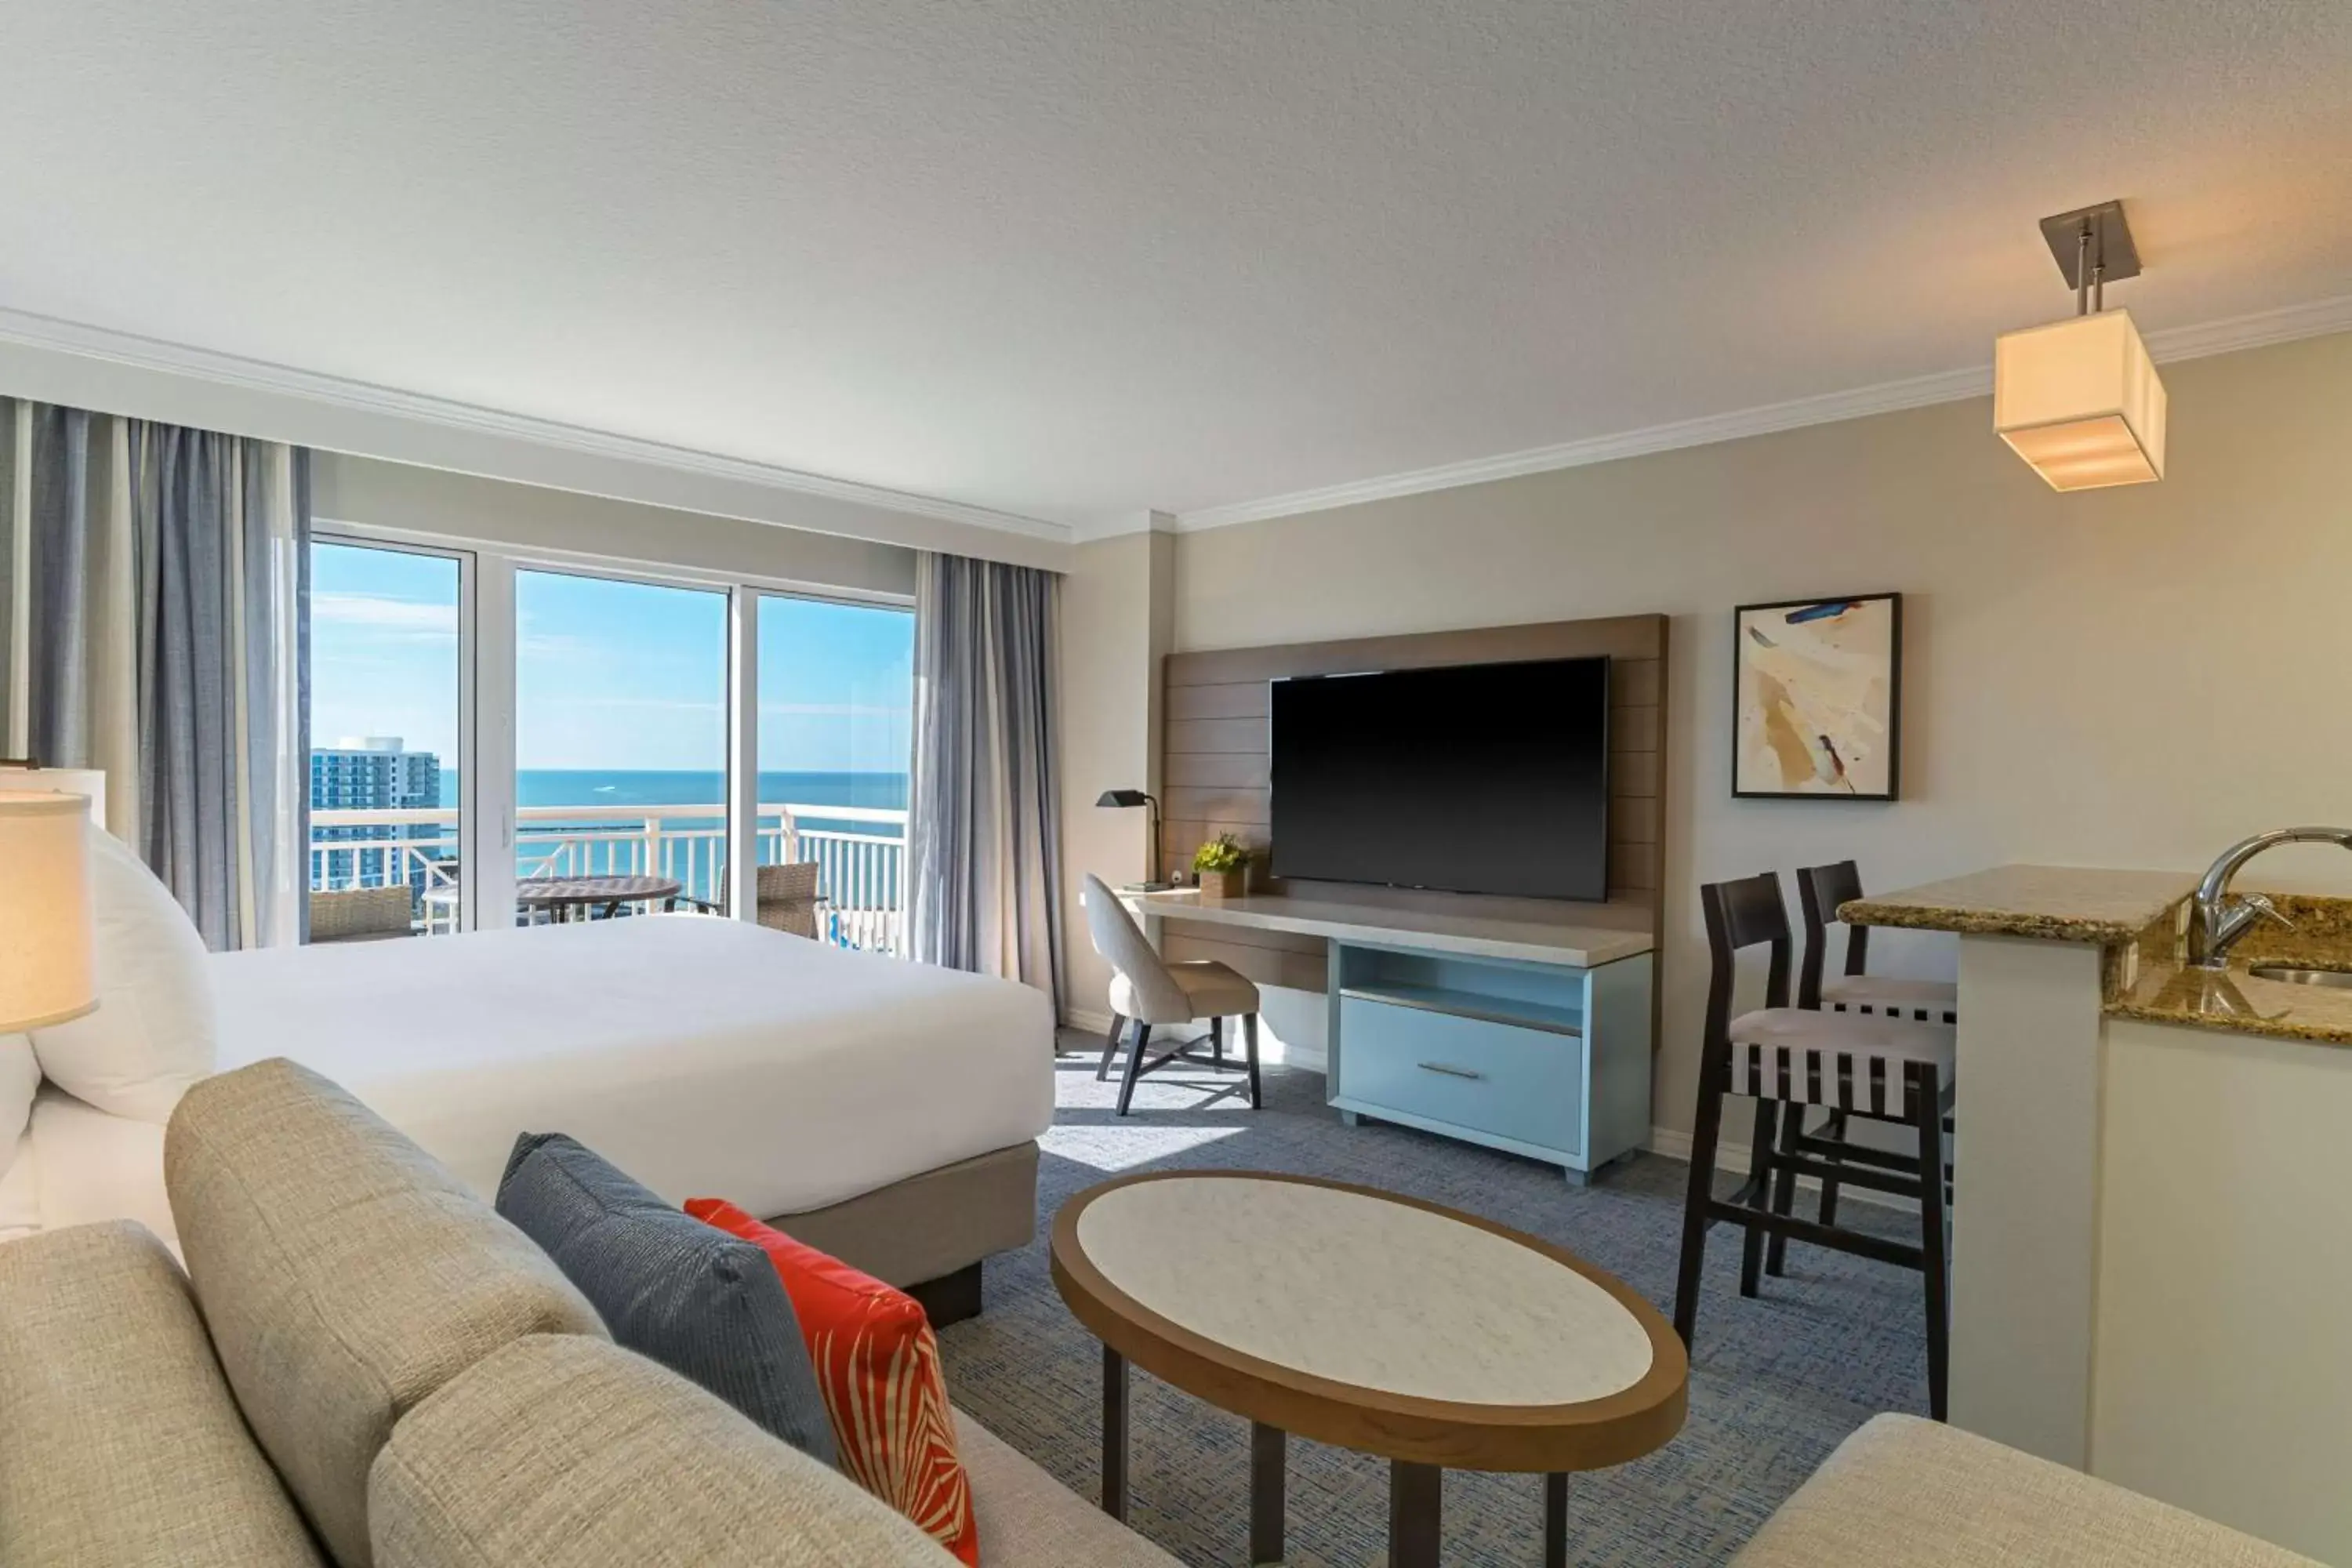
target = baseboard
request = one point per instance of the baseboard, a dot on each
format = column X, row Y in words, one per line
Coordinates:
column 1731, row 1159
column 1079, row 1018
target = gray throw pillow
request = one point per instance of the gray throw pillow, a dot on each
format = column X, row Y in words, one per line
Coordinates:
column 700, row 1301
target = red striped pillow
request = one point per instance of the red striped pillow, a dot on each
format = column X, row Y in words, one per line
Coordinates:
column 877, row 1366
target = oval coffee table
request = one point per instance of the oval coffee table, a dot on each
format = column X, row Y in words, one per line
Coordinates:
column 1371, row 1321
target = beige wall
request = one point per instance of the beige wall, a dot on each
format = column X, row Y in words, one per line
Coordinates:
column 2128, row 677
column 1117, row 605
column 370, row 492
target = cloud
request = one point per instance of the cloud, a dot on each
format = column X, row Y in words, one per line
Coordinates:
column 828, row 711
column 639, row 704
column 408, row 618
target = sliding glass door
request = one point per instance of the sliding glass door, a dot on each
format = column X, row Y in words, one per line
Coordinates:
column 387, row 740
column 836, row 699
column 509, row 739
column 621, row 726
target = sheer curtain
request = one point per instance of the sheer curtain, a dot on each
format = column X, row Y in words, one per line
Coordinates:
column 153, row 590
column 984, row 818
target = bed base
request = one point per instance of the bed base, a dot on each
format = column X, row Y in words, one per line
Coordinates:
column 928, row 1234
column 951, row 1298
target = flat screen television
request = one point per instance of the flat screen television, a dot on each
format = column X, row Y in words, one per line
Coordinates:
column 1487, row 778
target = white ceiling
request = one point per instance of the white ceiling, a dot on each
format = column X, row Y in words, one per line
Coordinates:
column 1073, row 260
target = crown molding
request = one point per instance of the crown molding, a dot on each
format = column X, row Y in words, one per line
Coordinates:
column 2316, row 319
column 1154, row 521
column 26, row 330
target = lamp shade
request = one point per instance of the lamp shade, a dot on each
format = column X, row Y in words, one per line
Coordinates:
column 45, row 911
column 2080, row 401
column 89, row 783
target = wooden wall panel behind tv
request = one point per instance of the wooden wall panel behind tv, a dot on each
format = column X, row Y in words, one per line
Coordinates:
column 1216, row 752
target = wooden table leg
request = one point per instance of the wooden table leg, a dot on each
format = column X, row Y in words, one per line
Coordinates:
column 1415, row 1497
column 1269, row 1450
column 1114, row 1453
column 1555, row 1536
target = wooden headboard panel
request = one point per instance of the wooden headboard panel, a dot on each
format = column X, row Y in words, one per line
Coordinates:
column 1216, row 741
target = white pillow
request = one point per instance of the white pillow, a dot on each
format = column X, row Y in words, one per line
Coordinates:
column 153, row 1032
column 20, row 1074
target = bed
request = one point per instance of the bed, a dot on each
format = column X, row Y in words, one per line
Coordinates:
column 888, row 1110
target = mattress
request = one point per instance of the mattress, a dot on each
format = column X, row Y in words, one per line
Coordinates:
column 707, row 1057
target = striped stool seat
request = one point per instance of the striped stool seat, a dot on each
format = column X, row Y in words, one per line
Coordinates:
column 1846, row 1061
column 1790, row 1060
column 1921, row 1001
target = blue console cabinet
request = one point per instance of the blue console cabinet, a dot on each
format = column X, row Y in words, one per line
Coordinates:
column 1547, row 1060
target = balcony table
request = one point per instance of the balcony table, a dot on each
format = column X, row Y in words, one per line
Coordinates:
column 561, row 895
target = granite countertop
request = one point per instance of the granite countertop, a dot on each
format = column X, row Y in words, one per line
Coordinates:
column 2234, row 999
column 2167, row 992
column 2137, row 916
column 2056, row 904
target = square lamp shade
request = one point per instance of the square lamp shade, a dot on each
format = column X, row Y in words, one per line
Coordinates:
column 2079, row 400
column 45, row 910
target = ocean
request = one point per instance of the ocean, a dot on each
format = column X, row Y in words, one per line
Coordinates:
column 573, row 786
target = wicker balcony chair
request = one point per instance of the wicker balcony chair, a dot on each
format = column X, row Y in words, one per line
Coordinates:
column 363, row 914
column 788, row 897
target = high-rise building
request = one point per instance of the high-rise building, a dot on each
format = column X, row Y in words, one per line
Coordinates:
column 375, row 772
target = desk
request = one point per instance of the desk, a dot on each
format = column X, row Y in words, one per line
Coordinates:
column 1519, row 1030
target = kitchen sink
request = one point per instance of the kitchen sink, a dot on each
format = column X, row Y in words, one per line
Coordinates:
column 2341, row 978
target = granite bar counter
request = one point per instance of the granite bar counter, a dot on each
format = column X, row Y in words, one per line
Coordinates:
column 2140, row 920
column 2148, row 1263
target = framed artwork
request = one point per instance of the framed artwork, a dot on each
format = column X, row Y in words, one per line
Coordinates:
column 1817, row 704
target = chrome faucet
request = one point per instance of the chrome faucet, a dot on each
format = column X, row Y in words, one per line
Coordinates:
column 2223, row 920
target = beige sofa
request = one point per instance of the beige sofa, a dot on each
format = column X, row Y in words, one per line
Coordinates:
column 363, row 1364
column 1901, row 1493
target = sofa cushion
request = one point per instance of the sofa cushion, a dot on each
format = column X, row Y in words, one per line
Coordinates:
column 1031, row 1521
column 573, row 1453
column 119, row 1442
column 1901, row 1493
column 344, row 1275
column 154, row 1032
column 703, row 1304
column 877, row 1366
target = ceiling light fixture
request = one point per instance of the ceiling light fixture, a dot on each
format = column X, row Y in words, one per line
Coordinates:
column 2079, row 399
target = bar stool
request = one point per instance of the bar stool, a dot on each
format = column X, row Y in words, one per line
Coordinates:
column 1821, row 889
column 1789, row 1060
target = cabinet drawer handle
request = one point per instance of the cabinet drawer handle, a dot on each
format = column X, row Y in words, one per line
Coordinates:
column 1450, row 1071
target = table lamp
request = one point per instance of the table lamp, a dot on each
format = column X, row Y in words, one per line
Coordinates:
column 1131, row 797
column 46, row 971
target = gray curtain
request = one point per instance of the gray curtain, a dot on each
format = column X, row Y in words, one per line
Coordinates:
column 155, row 582
column 985, row 822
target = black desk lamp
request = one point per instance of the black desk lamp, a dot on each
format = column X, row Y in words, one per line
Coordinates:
column 1127, row 797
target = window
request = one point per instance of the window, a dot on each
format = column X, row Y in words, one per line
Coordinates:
column 386, row 701
column 481, row 720
column 621, row 731
column 837, row 688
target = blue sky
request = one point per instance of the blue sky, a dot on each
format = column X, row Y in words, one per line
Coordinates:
column 608, row 675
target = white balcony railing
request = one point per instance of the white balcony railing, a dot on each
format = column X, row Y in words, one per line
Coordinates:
column 861, row 851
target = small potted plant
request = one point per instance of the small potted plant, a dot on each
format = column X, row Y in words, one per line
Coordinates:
column 1224, row 869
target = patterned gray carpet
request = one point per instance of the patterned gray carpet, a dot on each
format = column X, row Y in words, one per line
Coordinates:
column 1777, row 1382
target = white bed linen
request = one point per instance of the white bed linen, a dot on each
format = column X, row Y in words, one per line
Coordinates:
column 20, row 1189
column 707, row 1057
column 93, row 1165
